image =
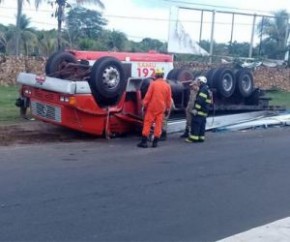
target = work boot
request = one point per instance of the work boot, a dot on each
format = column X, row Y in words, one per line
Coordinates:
column 143, row 143
column 185, row 134
column 163, row 136
column 155, row 142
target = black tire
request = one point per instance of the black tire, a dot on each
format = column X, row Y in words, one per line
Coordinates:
column 48, row 62
column 172, row 74
column 58, row 62
column 210, row 76
column 245, row 82
column 225, row 82
column 183, row 75
column 145, row 85
column 107, row 80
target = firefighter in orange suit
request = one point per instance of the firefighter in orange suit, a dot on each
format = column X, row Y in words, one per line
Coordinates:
column 156, row 103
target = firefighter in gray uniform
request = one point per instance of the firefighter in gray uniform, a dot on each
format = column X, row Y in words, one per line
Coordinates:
column 194, row 87
column 200, row 111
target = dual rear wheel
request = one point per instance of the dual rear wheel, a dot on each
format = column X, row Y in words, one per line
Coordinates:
column 228, row 82
column 106, row 77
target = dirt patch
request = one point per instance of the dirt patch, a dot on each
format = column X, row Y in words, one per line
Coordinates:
column 33, row 132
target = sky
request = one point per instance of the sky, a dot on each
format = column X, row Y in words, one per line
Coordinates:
column 139, row 19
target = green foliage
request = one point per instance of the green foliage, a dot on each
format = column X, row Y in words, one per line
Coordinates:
column 3, row 39
column 24, row 35
column 47, row 43
column 273, row 32
column 116, row 40
column 87, row 44
column 152, row 44
column 239, row 49
column 84, row 23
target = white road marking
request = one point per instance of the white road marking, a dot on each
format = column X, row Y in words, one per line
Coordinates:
column 272, row 232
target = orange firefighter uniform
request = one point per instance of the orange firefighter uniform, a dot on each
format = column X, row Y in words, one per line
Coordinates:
column 157, row 102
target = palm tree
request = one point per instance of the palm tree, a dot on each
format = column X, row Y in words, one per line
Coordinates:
column 61, row 4
column 27, row 37
column 20, row 4
column 48, row 42
column 275, row 30
column 3, row 42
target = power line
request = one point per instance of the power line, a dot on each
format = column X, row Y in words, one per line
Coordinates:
column 32, row 21
column 27, row 9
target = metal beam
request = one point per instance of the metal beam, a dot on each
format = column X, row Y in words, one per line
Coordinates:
column 239, row 13
column 212, row 36
column 252, row 36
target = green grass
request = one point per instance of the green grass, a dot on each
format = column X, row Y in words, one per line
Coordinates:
column 9, row 113
column 280, row 98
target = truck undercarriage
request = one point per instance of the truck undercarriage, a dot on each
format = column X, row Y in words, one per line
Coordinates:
column 101, row 93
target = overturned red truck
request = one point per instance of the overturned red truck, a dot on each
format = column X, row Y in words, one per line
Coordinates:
column 101, row 92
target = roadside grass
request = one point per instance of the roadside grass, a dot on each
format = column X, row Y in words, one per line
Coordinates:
column 9, row 113
column 279, row 98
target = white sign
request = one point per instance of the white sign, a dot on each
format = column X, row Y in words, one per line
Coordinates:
column 178, row 40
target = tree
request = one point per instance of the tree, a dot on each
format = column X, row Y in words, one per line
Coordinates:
column 152, row 44
column 61, row 5
column 117, row 41
column 3, row 42
column 47, row 42
column 84, row 23
column 18, row 16
column 239, row 49
column 27, row 37
column 273, row 33
column 3, row 39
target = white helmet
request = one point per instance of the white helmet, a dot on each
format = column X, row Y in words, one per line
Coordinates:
column 202, row 79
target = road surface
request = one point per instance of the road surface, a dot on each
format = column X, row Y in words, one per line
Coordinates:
column 99, row 190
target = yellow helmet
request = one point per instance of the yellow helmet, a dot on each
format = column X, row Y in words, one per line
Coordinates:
column 159, row 72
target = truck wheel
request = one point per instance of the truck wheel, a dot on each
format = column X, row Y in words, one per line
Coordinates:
column 145, row 85
column 48, row 62
column 107, row 80
column 57, row 62
column 210, row 76
column 171, row 74
column 245, row 82
column 180, row 74
column 225, row 82
column 183, row 75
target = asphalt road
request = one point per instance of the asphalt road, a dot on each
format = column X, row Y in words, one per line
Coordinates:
column 102, row 190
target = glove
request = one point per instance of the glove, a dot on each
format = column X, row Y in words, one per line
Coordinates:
column 194, row 112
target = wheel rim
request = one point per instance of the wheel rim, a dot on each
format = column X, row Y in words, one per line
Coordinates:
column 227, row 82
column 246, row 83
column 111, row 77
